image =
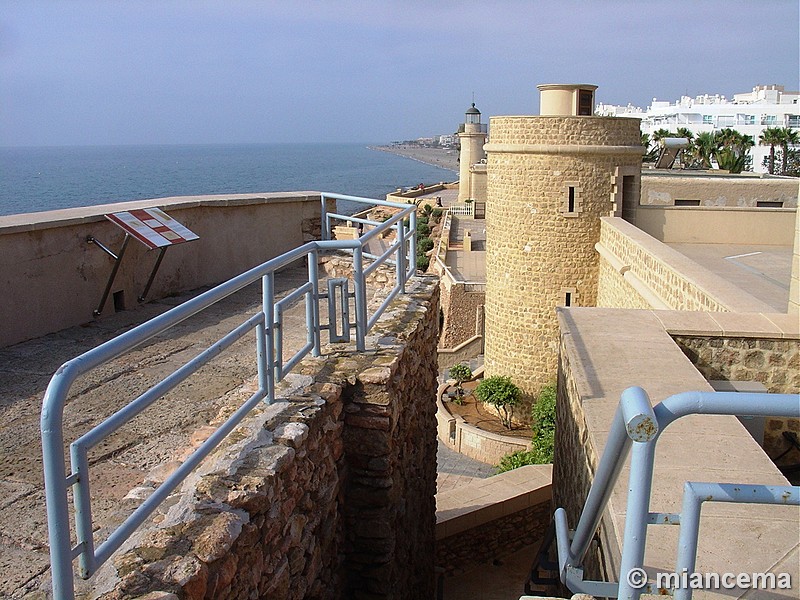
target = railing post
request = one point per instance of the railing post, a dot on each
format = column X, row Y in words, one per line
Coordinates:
column 55, row 489
column 361, row 298
column 640, row 483
column 413, row 240
column 323, row 216
column 268, row 307
column 400, row 262
column 634, row 415
column 312, row 310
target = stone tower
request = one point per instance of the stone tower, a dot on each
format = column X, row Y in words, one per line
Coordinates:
column 550, row 180
column 472, row 140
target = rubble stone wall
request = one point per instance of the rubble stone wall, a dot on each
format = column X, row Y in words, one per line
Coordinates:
column 327, row 493
column 773, row 362
column 493, row 540
column 461, row 313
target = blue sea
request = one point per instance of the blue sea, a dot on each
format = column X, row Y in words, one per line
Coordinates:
column 38, row 179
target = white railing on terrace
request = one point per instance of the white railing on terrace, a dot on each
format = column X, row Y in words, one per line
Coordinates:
column 267, row 323
column 467, row 209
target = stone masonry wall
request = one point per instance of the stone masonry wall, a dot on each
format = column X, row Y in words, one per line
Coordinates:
column 328, row 493
column 574, row 460
column 494, row 540
column 460, row 309
column 614, row 291
column 656, row 270
column 536, row 251
column 773, row 362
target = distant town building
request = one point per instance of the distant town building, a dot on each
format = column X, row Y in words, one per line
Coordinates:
column 748, row 113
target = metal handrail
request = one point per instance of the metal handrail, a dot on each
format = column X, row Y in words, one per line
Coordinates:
column 271, row 369
column 636, row 421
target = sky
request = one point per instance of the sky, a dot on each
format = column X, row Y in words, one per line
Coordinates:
column 373, row 71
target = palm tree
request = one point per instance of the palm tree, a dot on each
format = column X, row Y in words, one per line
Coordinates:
column 660, row 134
column 771, row 136
column 651, row 153
column 684, row 133
column 789, row 136
column 732, row 149
column 703, row 148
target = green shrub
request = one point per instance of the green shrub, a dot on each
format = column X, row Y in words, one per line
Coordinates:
column 520, row 458
column 501, row 393
column 422, row 220
column 543, row 424
column 423, row 229
column 423, row 262
column 436, row 213
column 424, row 244
column 427, row 209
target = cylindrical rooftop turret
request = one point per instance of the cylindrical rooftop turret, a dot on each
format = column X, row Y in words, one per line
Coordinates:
column 566, row 99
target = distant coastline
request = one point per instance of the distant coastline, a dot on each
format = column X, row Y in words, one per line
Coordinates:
column 444, row 158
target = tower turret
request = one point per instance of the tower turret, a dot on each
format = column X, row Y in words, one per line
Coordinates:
column 550, row 180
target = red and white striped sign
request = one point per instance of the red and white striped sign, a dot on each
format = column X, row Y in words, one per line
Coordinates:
column 153, row 227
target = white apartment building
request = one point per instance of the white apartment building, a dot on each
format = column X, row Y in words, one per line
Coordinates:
column 748, row 113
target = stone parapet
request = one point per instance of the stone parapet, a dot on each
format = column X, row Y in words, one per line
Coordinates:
column 45, row 256
column 328, row 493
column 638, row 271
column 553, row 131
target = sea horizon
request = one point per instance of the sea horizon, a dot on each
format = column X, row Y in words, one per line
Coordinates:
column 43, row 178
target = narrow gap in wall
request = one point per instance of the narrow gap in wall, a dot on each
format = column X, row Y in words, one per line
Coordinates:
column 571, row 204
column 568, row 299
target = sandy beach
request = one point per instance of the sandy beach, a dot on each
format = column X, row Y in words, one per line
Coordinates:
column 438, row 157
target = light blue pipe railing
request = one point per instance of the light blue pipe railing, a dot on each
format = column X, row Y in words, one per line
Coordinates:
column 267, row 324
column 636, row 422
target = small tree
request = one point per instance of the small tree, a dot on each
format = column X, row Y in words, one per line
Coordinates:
column 460, row 373
column 501, row 393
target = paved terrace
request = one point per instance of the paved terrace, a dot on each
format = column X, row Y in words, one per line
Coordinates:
column 150, row 446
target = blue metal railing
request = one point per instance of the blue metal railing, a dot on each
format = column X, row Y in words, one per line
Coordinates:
column 267, row 324
column 637, row 423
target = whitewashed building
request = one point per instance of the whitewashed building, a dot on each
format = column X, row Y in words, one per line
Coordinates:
column 748, row 113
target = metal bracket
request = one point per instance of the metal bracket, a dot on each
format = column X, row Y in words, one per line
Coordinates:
column 117, row 259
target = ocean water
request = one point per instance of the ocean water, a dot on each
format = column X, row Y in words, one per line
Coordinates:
column 38, row 179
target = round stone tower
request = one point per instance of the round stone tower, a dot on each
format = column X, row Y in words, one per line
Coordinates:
column 472, row 140
column 550, row 180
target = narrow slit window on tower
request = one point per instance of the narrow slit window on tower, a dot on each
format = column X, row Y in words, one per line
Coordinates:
column 571, row 200
column 569, row 296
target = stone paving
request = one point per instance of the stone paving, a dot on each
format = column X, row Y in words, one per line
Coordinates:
column 454, row 469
